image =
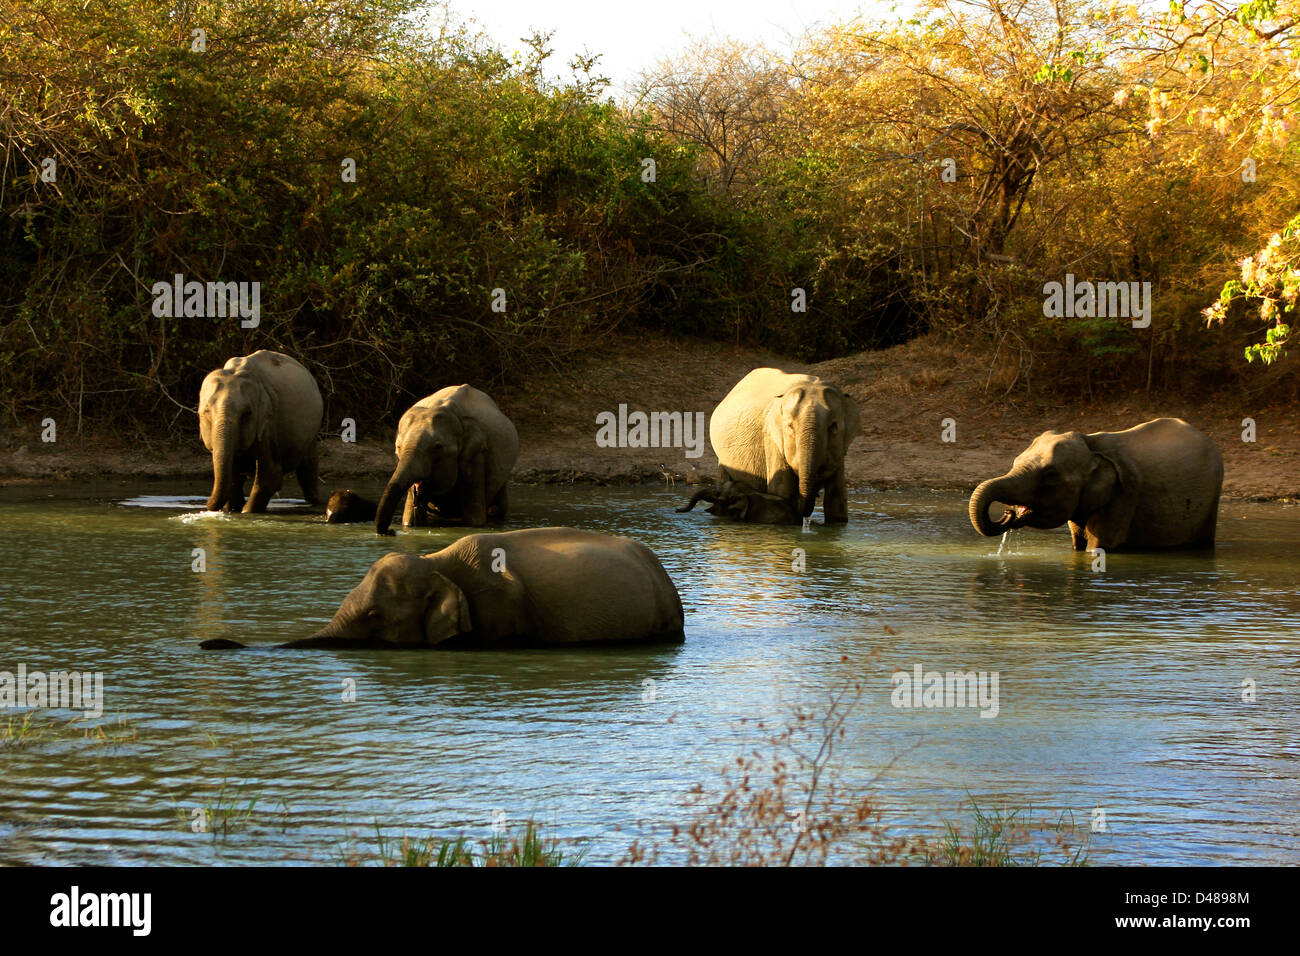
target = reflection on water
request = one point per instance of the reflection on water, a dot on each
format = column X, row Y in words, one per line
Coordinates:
column 1121, row 689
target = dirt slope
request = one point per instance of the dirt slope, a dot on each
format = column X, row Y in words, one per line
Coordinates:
column 904, row 394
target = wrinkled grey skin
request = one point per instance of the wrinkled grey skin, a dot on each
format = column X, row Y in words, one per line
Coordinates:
column 455, row 450
column 259, row 414
column 1153, row 486
column 535, row 587
column 786, row 435
column 730, row 500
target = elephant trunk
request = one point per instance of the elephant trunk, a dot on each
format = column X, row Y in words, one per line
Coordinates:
column 1005, row 489
column 806, row 467
column 223, row 468
column 394, row 493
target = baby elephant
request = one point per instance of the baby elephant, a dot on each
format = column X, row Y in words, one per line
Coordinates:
column 731, row 500
column 1155, row 485
column 348, row 507
column 535, row 587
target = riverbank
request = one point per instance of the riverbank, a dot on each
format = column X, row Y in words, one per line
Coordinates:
column 905, row 394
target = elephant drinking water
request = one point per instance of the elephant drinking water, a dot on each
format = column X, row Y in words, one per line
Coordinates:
column 455, row 450
column 1155, row 485
column 786, row 435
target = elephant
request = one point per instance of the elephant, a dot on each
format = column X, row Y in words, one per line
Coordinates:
column 730, row 500
column 540, row 587
column 1153, row 486
column 786, row 435
column 348, row 507
column 455, row 450
column 259, row 414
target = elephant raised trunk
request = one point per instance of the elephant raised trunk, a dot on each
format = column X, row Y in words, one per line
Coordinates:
column 1006, row 489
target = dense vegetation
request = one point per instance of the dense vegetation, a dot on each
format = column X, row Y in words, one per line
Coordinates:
column 925, row 175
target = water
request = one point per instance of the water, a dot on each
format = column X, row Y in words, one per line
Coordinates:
column 1119, row 689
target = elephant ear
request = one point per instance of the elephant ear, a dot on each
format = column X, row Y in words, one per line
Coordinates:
column 1111, row 475
column 473, row 445
column 447, row 613
column 851, row 420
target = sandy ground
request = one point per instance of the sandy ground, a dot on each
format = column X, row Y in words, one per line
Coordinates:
column 904, row 394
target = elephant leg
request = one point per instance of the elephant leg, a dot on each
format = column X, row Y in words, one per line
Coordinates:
column 237, row 499
column 835, row 505
column 500, row 506
column 1079, row 537
column 1205, row 537
column 266, row 482
column 415, row 514
column 308, row 478
column 474, row 504
column 1109, row 528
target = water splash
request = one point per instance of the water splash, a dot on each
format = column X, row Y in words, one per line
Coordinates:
column 197, row 504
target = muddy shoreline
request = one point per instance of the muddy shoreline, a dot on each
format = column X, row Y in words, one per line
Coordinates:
column 905, row 396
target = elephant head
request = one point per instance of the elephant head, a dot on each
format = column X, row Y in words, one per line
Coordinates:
column 434, row 447
column 809, row 428
column 347, row 507
column 1062, row 476
column 235, row 417
column 402, row 602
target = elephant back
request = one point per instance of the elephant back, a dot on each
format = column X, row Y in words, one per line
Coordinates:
column 1178, row 471
column 564, row 586
column 299, row 406
column 468, row 402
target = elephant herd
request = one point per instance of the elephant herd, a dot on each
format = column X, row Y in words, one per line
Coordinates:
column 781, row 441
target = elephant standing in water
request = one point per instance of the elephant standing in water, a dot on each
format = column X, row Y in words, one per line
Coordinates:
column 786, row 435
column 535, row 587
column 1155, row 485
column 259, row 414
column 455, row 450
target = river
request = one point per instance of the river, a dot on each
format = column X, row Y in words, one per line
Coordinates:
column 1125, row 690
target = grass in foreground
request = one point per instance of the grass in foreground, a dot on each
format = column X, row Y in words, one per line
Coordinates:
column 501, row 849
column 1008, row 836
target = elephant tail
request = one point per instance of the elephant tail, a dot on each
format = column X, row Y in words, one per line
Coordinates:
column 220, row 644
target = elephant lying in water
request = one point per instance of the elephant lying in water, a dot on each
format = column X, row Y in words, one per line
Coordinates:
column 538, row 587
column 1155, row 485
column 730, row 500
